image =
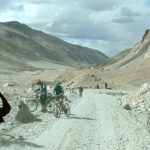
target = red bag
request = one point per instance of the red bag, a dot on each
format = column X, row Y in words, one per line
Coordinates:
column 6, row 106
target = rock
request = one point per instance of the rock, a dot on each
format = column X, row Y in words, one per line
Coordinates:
column 9, row 84
column 144, row 88
column 134, row 105
column 29, row 90
column 10, row 123
column 126, row 106
column 6, row 85
column 24, row 115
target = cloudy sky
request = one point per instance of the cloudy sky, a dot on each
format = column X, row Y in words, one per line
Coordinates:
column 107, row 25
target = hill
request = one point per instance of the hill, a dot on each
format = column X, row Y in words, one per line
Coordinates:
column 22, row 46
column 131, row 66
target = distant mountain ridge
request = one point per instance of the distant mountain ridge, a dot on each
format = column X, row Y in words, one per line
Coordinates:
column 131, row 66
column 139, row 54
column 20, row 45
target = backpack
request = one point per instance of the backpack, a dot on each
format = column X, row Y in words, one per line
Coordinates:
column 6, row 106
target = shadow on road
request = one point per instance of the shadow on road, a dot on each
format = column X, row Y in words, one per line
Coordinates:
column 72, row 116
column 7, row 140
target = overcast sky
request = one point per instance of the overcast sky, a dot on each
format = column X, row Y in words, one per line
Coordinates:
column 107, row 25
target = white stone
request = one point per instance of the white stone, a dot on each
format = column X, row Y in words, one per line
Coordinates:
column 5, row 85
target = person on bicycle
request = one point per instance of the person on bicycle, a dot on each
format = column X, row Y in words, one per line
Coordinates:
column 43, row 94
column 59, row 92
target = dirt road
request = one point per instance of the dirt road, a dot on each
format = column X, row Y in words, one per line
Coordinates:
column 96, row 123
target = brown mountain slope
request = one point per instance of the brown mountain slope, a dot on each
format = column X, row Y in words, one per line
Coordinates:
column 132, row 68
column 136, row 55
column 21, row 45
column 117, row 57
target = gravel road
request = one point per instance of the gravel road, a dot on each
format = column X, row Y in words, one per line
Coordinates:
column 96, row 123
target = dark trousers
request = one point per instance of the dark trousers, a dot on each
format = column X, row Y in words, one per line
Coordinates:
column 42, row 101
column 1, row 118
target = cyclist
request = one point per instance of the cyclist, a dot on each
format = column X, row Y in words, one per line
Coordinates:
column 59, row 92
column 43, row 94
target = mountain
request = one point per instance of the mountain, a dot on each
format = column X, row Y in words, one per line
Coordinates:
column 140, row 53
column 117, row 57
column 22, row 46
column 132, row 65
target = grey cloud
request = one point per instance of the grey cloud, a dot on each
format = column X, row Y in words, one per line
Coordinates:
column 47, row 2
column 41, row 1
column 123, row 20
column 99, row 5
column 5, row 4
column 76, row 23
column 10, row 5
column 18, row 5
column 85, row 29
column 38, row 1
column 147, row 2
column 125, row 11
column 126, row 16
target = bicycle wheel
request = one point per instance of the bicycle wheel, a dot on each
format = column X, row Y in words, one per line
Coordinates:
column 49, row 105
column 67, row 110
column 57, row 111
column 32, row 105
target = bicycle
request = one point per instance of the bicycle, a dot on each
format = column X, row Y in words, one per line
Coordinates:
column 53, row 105
column 32, row 102
column 61, row 107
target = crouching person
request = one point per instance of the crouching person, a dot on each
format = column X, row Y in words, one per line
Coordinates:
column 4, row 107
column 1, row 109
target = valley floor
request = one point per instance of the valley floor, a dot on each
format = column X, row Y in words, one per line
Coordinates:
column 96, row 123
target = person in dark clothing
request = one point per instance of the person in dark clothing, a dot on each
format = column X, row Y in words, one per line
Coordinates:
column 97, row 86
column 4, row 107
column 59, row 92
column 1, row 118
column 80, row 91
column 106, row 85
column 58, row 89
column 1, row 109
column 43, row 94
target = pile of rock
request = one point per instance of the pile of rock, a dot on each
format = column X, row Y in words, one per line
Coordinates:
column 138, row 101
column 24, row 115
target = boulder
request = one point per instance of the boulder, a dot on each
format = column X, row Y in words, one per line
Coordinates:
column 126, row 106
column 144, row 88
column 24, row 115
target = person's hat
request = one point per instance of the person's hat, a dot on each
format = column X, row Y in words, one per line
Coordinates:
column 38, row 81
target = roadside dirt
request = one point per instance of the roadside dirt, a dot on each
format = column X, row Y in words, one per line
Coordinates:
column 96, row 123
